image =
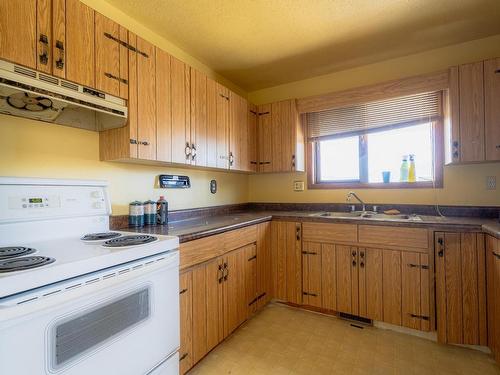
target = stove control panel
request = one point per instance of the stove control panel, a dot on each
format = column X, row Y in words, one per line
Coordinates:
column 25, row 202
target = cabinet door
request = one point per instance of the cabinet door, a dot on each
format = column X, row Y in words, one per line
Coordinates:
column 214, row 303
column 370, row 283
column 198, row 118
column 311, row 274
column 18, row 37
column 163, row 107
column 287, row 258
column 211, row 146
column 265, row 131
column 238, row 133
column 492, row 275
column 250, row 273
column 146, row 100
column 285, row 115
column 186, row 321
column 264, row 263
column 460, row 288
column 222, row 121
column 79, row 47
column 43, row 36
column 491, row 108
column 235, row 306
column 252, row 137
column 347, row 279
column 471, row 112
column 328, row 277
column 108, row 57
column 391, row 275
column 181, row 137
column 496, row 302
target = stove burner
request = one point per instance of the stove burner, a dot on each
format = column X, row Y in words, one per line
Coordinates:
column 131, row 240
column 100, row 236
column 24, row 263
column 15, row 251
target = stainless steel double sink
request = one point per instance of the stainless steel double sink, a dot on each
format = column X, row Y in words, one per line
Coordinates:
column 367, row 215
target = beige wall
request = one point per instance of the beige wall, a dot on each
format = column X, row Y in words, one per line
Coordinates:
column 463, row 185
column 36, row 149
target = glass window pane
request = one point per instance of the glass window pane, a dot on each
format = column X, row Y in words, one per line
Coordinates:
column 339, row 159
column 386, row 150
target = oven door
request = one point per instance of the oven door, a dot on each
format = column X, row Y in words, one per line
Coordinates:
column 123, row 320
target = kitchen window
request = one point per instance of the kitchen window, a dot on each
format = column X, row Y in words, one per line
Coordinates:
column 365, row 145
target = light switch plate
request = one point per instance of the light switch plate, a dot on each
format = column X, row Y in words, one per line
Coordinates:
column 298, row 186
column 491, row 182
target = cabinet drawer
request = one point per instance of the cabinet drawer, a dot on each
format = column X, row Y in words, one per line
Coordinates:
column 240, row 237
column 394, row 236
column 329, row 233
column 198, row 251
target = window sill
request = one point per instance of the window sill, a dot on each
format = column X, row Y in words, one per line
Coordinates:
column 381, row 185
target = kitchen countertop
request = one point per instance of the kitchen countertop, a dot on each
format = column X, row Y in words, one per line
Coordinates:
column 194, row 228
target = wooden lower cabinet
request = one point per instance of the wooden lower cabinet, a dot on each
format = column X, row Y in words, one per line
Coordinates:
column 493, row 294
column 263, row 264
column 286, row 255
column 186, row 321
column 461, row 288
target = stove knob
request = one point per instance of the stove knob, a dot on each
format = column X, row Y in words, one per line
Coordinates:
column 97, row 205
column 95, row 194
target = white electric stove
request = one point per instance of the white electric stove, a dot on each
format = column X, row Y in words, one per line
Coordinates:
column 76, row 296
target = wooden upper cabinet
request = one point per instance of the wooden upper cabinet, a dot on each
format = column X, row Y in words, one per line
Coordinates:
column 211, row 146
column 199, row 118
column 492, row 109
column 44, row 36
column 163, row 107
column 181, row 133
column 111, row 64
column 281, row 138
column 79, row 49
column 238, row 133
column 264, row 136
column 252, row 137
column 58, row 40
column 18, row 32
column 222, row 125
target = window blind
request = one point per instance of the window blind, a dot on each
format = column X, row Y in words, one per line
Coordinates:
column 368, row 117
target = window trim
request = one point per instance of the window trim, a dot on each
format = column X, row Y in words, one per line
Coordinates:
column 438, row 151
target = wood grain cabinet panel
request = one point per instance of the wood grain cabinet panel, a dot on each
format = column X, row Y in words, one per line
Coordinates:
column 18, row 32
column 370, row 283
column 264, row 264
column 181, row 130
column 461, row 288
column 222, row 126
column 201, row 284
column 492, row 109
column 392, row 285
column 43, row 36
column 212, row 94
column 329, row 233
column 108, row 57
column 471, row 112
column 79, row 49
column 198, row 118
column 186, row 321
column 163, row 107
column 264, row 134
column 312, row 271
column 402, row 237
column 251, row 279
column 493, row 294
column 214, row 303
column 347, row 279
column 252, row 137
column 286, row 261
column 328, row 277
column 235, row 302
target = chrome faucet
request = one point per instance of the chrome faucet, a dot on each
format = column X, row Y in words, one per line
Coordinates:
column 353, row 194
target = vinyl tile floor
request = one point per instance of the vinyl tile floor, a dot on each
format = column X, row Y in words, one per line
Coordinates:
column 284, row 340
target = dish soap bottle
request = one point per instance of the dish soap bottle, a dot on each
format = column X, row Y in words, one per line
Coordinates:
column 411, row 172
column 404, row 169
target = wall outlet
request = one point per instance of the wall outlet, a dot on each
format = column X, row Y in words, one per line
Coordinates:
column 298, row 186
column 491, row 182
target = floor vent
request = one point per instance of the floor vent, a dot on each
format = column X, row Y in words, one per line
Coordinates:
column 358, row 321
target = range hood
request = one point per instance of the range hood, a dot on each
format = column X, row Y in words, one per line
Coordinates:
column 27, row 93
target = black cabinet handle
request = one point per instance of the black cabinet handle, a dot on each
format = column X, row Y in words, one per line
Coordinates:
column 44, row 56
column 60, row 60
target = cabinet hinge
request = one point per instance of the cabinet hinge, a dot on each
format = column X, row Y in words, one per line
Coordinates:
column 183, row 291
column 309, row 253
column 183, row 356
column 253, row 301
column 263, row 113
column 253, row 112
column 262, row 295
column 252, row 258
column 424, row 267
